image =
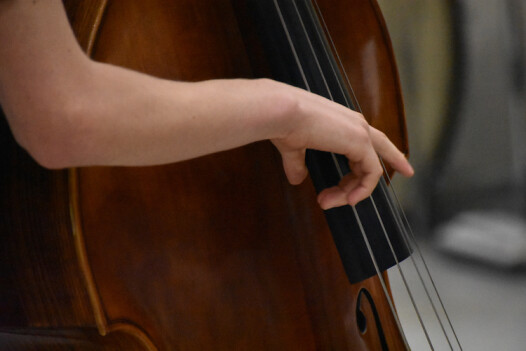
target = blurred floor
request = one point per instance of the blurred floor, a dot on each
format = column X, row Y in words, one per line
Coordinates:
column 487, row 307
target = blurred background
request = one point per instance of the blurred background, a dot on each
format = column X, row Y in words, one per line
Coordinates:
column 461, row 65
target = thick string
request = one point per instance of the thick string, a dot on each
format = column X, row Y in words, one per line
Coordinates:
column 341, row 175
column 403, row 225
column 410, row 235
column 362, row 230
column 400, row 270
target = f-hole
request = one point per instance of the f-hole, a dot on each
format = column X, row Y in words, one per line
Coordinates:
column 361, row 319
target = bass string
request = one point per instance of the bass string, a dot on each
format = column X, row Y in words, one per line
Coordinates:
column 400, row 216
column 407, row 229
column 371, row 253
column 381, row 279
column 406, row 236
column 410, row 234
column 378, row 216
column 408, row 289
column 307, row 86
column 399, row 223
column 400, row 227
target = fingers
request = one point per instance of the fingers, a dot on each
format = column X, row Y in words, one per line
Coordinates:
column 354, row 187
column 326, row 126
column 389, row 153
column 338, row 195
column 359, row 184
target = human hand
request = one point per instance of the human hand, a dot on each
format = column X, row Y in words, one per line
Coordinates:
column 323, row 125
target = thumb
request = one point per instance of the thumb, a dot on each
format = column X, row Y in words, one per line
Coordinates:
column 294, row 165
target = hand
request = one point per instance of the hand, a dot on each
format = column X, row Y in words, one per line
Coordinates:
column 324, row 125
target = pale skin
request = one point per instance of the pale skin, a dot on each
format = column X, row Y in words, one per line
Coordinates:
column 67, row 110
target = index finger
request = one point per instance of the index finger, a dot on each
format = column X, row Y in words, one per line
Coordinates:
column 390, row 153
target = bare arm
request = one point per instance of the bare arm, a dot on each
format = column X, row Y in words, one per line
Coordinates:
column 68, row 110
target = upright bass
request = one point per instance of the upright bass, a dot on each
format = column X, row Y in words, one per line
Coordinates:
column 218, row 252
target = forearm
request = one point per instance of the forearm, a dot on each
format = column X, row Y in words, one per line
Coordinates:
column 121, row 117
column 67, row 110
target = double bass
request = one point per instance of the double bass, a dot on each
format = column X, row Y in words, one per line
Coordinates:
column 217, row 252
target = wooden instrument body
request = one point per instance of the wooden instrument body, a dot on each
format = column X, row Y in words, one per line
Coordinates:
column 218, row 252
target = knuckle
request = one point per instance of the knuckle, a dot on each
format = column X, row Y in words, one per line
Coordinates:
column 361, row 133
column 360, row 116
column 381, row 135
column 379, row 170
column 362, row 123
